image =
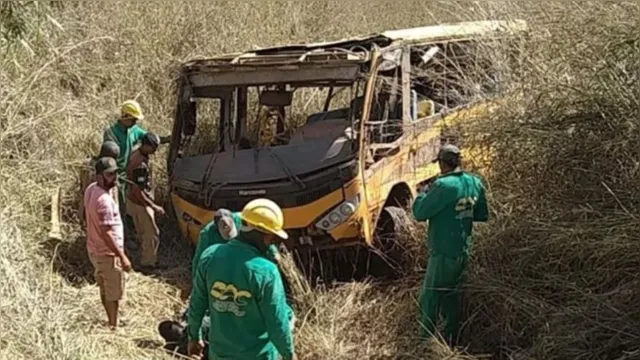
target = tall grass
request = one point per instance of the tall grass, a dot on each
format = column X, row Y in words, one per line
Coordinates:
column 552, row 275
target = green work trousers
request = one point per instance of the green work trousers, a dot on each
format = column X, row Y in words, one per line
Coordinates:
column 441, row 294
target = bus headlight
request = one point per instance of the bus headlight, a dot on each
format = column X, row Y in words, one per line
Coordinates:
column 335, row 218
column 339, row 214
column 347, row 208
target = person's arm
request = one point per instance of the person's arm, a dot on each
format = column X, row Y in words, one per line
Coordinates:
column 140, row 196
column 277, row 314
column 139, row 133
column 136, row 190
column 202, row 244
column 109, row 236
column 481, row 210
column 429, row 204
column 107, row 220
column 198, row 303
column 108, row 135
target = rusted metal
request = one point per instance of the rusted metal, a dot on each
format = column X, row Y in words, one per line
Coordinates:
column 406, row 85
column 357, row 47
column 294, row 74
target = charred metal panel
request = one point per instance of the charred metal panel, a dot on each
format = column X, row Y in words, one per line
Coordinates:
column 213, row 92
column 286, row 194
column 249, row 166
column 293, row 74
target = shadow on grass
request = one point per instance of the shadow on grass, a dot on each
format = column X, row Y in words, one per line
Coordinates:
column 175, row 255
column 148, row 344
column 69, row 259
column 69, row 256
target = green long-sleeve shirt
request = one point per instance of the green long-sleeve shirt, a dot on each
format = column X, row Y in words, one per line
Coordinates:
column 244, row 294
column 126, row 140
column 454, row 201
column 209, row 235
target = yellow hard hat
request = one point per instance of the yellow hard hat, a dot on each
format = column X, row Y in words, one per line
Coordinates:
column 265, row 215
column 132, row 108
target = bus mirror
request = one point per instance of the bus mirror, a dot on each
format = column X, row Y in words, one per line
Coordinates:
column 276, row 98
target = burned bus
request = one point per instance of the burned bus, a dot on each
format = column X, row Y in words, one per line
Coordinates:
column 340, row 134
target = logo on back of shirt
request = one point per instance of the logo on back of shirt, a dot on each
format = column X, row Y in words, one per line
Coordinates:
column 227, row 298
column 464, row 207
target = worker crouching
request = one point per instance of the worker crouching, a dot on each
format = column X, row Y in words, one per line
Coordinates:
column 243, row 292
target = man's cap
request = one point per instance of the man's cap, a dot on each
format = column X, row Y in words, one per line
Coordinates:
column 226, row 226
column 106, row 165
column 109, row 148
column 151, row 139
column 448, row 154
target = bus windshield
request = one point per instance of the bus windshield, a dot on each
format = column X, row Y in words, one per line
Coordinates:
column 270, row 132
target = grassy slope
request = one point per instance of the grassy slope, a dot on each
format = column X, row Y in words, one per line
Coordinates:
column 542, row 285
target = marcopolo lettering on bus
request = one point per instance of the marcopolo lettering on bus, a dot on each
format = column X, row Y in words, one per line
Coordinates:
column 252, row 192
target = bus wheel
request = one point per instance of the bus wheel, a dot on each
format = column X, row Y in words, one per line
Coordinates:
column 389, row 250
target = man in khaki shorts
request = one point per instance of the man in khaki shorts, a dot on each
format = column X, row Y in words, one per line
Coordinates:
column 105, row 238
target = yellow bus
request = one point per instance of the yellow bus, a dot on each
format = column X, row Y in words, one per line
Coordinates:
column 340, row 134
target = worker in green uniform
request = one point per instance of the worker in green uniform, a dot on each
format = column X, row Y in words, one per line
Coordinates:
column 224, row 227
column 244, row 293
column 221, row 229
column 127, row 134
column 451, row 204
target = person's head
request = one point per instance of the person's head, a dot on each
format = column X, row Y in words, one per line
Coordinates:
column 130, row 113
column 109, row 149
column 263, row 223
column 150, row 143
column 106, row 172
column 225, row 224
column 171, row 331
column 448, row 158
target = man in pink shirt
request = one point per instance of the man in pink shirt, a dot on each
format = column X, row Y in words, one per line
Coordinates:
column 105, row 238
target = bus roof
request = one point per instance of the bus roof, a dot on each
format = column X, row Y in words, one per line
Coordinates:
column 424, row 34
column 341, row 56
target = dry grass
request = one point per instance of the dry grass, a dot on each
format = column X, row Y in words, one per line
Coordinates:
column 553, row 276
